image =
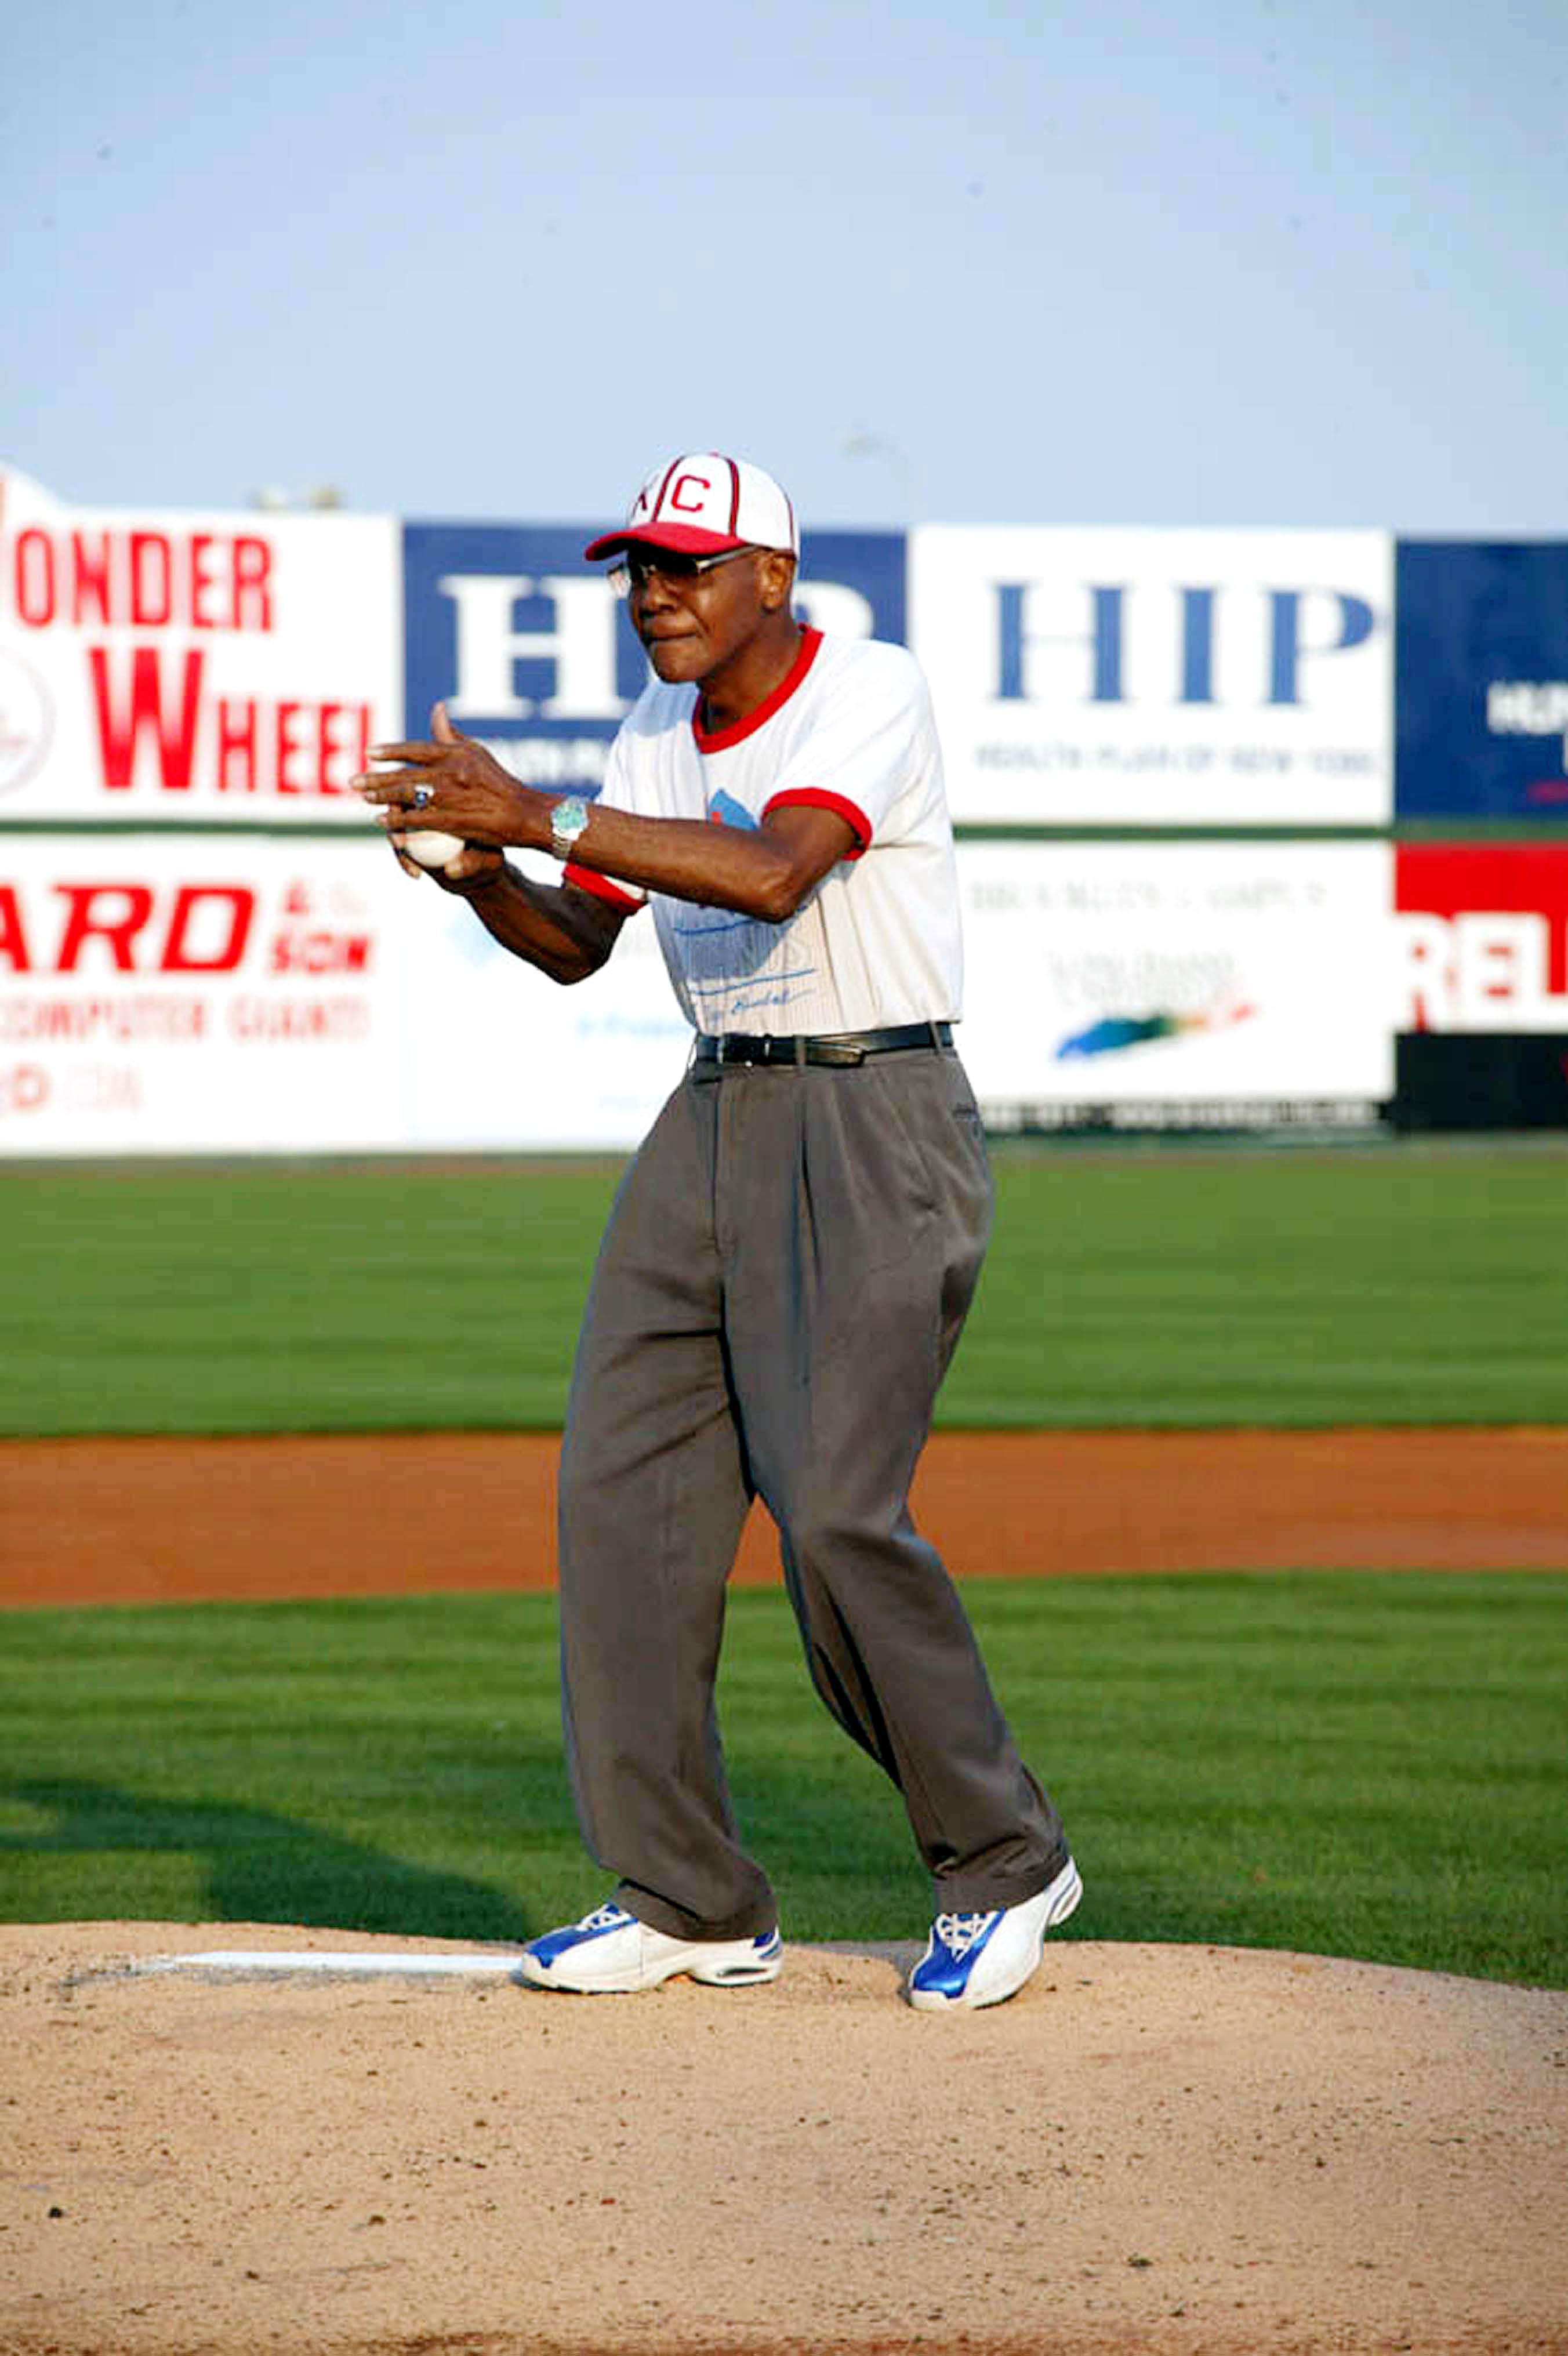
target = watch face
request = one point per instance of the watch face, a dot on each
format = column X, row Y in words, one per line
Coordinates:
column 567, row 821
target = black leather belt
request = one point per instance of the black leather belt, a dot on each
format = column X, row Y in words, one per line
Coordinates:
column 829, row 1048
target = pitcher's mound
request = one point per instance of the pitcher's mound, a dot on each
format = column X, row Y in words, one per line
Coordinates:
column 1151, row 2148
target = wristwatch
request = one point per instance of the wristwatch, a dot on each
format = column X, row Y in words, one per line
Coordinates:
column 567, row 820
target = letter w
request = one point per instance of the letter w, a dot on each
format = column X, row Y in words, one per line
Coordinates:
column 122, row 721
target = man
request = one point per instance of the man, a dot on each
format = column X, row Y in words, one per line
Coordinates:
column 791, row 1256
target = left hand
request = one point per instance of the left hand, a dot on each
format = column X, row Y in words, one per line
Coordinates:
column 453, row 785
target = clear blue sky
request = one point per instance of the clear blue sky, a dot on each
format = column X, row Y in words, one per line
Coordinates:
column 1248, row 261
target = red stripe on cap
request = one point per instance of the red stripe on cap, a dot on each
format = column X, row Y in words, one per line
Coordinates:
column 734, row 493
column 664, row 486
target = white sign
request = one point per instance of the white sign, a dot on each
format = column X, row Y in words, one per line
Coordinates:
column 175, row 666
column 501, row 1059
column 160, row 994
column 169, row 995
column 1158, row 677
column 1206, row 975
column 200, row 994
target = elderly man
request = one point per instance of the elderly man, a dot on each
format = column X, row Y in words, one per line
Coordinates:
column 791, row 1253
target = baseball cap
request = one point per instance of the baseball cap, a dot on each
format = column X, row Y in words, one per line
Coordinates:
column 702, row 505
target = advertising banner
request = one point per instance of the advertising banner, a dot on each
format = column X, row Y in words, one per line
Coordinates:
column 1158, row 677
column 1481, row 667
column 179, row 666
column 1482, row 936
column 1201, row 985
column 184, row 993
column 533, row 653
column 163, row 993
column 500, row 1059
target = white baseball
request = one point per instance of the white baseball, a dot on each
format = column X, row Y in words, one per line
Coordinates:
column 430, row 848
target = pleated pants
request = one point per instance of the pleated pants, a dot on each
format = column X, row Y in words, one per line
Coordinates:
column 780, row 1287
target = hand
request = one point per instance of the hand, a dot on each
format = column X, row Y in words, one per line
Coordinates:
column 473, row 861
column 453, row 785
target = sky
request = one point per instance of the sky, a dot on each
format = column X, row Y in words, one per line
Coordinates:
column 1248, row 262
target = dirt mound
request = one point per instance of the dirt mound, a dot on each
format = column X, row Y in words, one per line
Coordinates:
column 1179, row 2148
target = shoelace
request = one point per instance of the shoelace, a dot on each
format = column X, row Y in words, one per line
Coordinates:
column 958, row 1932
column 604, row 1917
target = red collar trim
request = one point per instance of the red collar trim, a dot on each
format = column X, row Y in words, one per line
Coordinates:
column 720, row 739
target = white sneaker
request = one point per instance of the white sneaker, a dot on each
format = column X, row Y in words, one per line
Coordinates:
column 976, row 1959
column 610, row 1953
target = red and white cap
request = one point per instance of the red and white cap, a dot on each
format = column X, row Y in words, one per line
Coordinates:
column 702, row 505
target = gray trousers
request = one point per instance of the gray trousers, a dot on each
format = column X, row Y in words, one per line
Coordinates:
column 780, row 1287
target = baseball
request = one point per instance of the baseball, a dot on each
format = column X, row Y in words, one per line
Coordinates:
column 431, row 847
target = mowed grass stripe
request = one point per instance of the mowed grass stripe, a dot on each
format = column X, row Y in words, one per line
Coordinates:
column 1144, row 1287
column 1365, row 1765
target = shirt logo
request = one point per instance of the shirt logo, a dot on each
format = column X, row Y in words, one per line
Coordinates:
column 725, row 810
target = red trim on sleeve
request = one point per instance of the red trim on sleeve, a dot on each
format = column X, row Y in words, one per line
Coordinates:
column 722, row 738
column 820, row 797
column 588, row 879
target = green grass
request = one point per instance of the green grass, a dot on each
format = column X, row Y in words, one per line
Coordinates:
column 1399, row 1283
column 1385, row 1285
column 274, row 1297
column 1366, row 1765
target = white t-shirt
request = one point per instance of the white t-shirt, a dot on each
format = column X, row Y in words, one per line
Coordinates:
column 878, row 941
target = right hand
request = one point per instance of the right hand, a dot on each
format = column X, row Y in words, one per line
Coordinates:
column 450, row 784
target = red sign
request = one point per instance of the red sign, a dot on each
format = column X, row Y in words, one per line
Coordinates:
column 1483, row 937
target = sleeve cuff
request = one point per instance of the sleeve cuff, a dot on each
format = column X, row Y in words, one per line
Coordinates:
column 588, row 879
column 819, row 798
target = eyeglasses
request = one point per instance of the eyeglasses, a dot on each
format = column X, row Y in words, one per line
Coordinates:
column 675, row 570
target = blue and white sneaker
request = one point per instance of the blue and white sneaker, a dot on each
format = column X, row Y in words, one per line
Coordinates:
column 976, row 1959
column 610, row 1953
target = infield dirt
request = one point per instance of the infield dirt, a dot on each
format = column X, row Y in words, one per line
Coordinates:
column 120, row 1521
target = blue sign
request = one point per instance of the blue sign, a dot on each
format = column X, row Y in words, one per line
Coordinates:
column 531, row 650
column 854, row 584
column 1481, row 680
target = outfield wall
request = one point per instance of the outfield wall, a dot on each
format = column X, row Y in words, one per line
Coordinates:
column 1481, row 793
column 1255, row 829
